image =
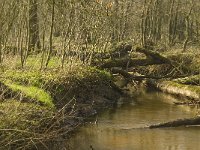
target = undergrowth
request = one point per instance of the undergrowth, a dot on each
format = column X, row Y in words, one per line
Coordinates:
column 24, row 124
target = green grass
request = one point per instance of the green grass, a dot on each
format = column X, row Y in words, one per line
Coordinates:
column 23, row 77
column 39, row 78
column 37, row 84
column 34, row 61
column 33, row 83
column 32, row 92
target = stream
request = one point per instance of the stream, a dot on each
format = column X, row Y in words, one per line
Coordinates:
column 122, row 127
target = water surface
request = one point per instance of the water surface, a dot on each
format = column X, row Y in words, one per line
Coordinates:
column 121, row 128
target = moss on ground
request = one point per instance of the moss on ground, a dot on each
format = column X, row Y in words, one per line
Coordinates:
column 59, row 84
column 49, row 85
column 26, row 122
column 41, row 78
column 32, row 92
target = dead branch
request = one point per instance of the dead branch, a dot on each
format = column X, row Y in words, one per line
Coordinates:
column 177, row 123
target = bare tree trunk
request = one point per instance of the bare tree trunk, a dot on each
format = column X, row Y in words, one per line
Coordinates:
column 175, row 24
column 0, row 50
column 197, row 30
column 187, row 19
column 143, row 34
column 43, row 49
column 34, row 25
column 51, row 33
column 170, row 26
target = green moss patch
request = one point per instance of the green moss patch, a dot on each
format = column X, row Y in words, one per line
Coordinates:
column 25, row 77
column 32, row 92
column 40, row 78
column 63, row 85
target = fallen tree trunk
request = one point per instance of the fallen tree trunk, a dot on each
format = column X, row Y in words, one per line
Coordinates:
column 189, row 103
column 131, row 63
column 129, row 76
column 153, row 55
column 153, row 58
column 178, row 123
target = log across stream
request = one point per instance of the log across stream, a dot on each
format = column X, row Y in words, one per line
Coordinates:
column 121, row 128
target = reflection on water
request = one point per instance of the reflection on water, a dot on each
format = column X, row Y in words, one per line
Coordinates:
column 120, row 128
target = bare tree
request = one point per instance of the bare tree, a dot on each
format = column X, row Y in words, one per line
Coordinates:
column 33, row 25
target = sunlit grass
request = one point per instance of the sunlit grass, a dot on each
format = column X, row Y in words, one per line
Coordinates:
column 32, row 92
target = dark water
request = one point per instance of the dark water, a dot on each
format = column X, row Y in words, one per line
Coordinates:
column 120, row 128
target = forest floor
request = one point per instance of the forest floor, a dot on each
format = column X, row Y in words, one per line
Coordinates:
column 39, row 106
